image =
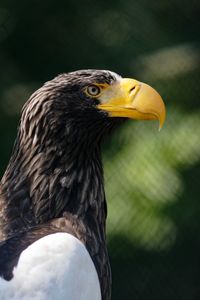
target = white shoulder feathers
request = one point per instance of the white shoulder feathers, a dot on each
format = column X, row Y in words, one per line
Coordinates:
column 56, row 267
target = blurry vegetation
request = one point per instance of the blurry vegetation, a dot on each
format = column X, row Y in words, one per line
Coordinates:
column 152, row 178
column 149, row 178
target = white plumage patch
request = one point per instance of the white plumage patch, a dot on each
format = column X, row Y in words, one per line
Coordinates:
column 116, row 76
column 57, row 266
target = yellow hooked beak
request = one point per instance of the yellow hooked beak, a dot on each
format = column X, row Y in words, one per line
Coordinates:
column 133, row 99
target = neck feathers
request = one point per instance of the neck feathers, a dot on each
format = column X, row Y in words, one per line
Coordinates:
column 42, row 184
column 56, row 165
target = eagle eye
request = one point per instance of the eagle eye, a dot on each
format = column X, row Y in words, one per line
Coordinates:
column 93, row 90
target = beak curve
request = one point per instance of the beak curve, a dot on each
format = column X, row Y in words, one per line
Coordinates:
column 136, row 100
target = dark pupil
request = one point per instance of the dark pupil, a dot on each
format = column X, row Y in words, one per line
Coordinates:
column 94, row 90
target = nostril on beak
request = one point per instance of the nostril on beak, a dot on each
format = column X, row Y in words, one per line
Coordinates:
column 132, row 89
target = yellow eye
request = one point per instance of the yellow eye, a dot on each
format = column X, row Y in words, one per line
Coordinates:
column 93, row 90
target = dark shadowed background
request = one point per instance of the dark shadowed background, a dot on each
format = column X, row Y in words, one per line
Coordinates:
column 152, row 178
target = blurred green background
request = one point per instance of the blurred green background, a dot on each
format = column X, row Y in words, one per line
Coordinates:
column 152, row 178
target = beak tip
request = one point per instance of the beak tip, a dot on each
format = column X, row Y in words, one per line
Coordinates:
column 162, row 120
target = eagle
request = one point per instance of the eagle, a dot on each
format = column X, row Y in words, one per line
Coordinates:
column 52, row 201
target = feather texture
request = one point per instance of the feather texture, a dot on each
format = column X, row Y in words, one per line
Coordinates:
column 54, row 180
